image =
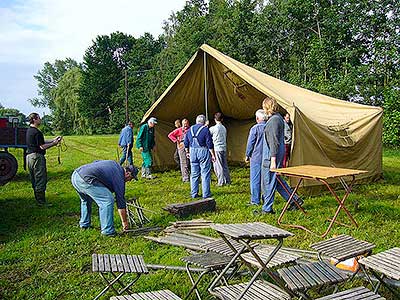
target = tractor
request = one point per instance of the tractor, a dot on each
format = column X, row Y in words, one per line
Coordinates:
column 12, row 135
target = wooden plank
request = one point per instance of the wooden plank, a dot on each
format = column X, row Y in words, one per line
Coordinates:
column 124, row 259
column 107, row 266
column 114, row 267
column 95, row 263
column 359, row 293
column 120, row 265
column 143, row 264
column 101, row 262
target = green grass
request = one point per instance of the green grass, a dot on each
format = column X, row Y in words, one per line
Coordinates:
column 44, row 254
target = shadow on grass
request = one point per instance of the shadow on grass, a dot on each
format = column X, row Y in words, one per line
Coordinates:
column 23, row 217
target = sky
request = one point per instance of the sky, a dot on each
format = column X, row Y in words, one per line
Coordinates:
column 33, row 32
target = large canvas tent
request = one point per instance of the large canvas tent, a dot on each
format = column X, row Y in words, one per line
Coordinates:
column 326, row 131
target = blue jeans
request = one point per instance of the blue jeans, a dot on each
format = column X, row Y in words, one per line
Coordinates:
column 126, row 152
column 103, row 198
column 200, row 165
column 255, row 181
column 270, row 184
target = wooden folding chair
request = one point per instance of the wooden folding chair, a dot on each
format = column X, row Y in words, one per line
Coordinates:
column 113, row 267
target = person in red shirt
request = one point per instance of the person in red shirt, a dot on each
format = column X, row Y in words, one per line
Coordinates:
column 177, row 136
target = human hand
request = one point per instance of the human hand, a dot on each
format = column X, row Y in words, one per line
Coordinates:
column 246, row 159
column 141, row 149
column 213, row 158
column 273, row 163
column 125, row 226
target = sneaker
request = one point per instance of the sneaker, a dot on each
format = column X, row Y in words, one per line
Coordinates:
column 263, row 212
column 293, row 206
column 252, row 204
column 150, row 177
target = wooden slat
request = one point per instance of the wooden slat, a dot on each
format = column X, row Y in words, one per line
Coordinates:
column 101, row 262
column 152, row 295
column 120, row 265
column 255, row 230
column 359, row 293
column 387, row 263
column 142, row 264
column 127, row 269
column 95, row 263
column 114, row 266
column 107, row 264
column 343, row 247
column 259, row 290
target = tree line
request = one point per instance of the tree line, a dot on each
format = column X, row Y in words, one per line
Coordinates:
column 347, row 49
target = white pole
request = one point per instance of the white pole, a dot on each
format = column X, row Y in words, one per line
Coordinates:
column 205, row 83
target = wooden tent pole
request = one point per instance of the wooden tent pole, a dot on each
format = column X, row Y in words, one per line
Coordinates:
column 205, row 83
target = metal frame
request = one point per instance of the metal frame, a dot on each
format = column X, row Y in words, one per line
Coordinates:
column 117, row 279
column 246, row 247
column 333, row 193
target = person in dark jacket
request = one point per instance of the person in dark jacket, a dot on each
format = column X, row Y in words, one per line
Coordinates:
column 145, row 142
column 126, row 143
column 35, row 157
column 97, row 182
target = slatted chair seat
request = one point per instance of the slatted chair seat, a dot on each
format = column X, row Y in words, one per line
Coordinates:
column 108, row 265
column 220, row 246
column 155, row 295
column 264, row 251
column 301, row 278
column 384, row 264
column 343, row 247
column 359, row 293
column 258, row 290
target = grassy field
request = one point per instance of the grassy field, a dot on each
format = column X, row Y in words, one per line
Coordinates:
column 44, row 254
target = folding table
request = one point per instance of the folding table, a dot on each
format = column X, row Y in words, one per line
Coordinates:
column 108, row 265
column 383, row 265
column 321, row 174
column 245, row 233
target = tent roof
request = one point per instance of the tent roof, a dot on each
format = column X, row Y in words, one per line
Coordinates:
column 319, row 108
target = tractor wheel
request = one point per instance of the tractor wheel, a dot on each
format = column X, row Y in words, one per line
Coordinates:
column 8, row 167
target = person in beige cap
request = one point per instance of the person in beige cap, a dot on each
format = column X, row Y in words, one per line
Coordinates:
column 145, row 143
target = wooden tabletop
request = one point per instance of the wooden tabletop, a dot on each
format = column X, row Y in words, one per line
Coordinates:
column 319, row 172
column 253, row 231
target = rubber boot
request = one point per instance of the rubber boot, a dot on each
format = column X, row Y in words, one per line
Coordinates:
column 148, row 174
column 40, row 198
column 144, row 172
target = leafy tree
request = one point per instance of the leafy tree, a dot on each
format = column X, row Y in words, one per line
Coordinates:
column 101, row 77
column 48, row 79
column 66, row 115
column 12, row 112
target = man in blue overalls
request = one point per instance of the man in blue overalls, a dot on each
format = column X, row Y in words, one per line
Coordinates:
column 199, row 141
column 254, row 151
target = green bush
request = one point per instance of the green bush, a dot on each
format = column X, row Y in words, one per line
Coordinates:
column 391, row 117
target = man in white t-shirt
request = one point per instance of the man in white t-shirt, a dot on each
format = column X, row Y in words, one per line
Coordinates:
column 218, row 132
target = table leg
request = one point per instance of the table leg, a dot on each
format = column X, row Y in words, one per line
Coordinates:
column 237, row 254
column 291, row 197
column 120, row 292
column 194, row 283
column 110, row 284
column 341, row 205
column 260, row 261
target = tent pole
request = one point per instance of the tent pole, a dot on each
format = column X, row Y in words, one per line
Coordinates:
column 205, row 83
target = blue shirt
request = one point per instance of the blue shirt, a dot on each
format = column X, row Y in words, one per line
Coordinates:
column 106, row 173
column 126, row 136
column 204, row 138
column 254, row 147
